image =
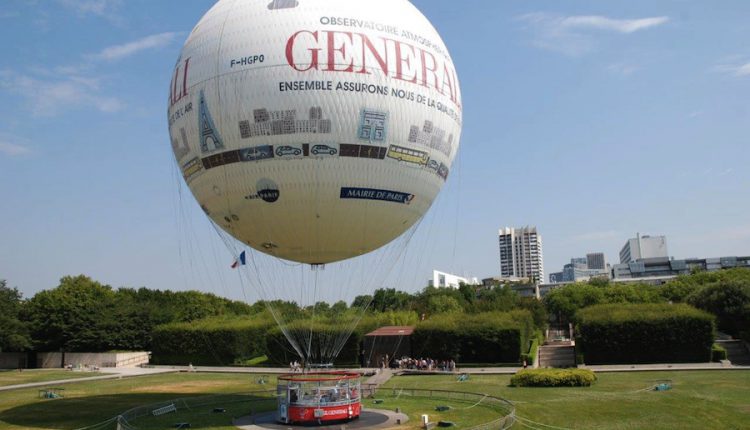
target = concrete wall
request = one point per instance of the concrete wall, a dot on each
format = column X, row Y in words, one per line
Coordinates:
column 13, row 360
column 103, row 359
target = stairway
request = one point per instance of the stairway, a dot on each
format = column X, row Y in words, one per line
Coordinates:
column 560, row 355
column 737, row 352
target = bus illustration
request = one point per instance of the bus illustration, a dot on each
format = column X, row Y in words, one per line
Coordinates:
column 407, row 154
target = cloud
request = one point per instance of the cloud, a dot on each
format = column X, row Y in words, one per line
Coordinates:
column 571, row 35
column 48, row 97
column 737, row 70
column 154, row 41
column 105, row 8
column 624, row 69
column 9, row 14
column 617, row 25
column 11, row 146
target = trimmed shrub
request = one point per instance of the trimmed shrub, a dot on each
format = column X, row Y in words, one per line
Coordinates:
column 718, row 353
column 644, row 333
column 553, row 378
column 211, row 341
column 493, row 337
column 530, row 356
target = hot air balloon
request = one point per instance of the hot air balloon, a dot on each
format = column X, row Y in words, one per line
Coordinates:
column 315, row 132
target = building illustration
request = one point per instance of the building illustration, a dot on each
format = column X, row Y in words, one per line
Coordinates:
column 282, row 122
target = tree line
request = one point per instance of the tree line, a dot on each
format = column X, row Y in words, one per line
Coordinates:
column 81, row 314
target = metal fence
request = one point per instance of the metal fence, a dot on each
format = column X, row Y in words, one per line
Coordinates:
column 506, row 411
column 128, row 420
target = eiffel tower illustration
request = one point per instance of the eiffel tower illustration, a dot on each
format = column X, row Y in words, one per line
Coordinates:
column 210, row 139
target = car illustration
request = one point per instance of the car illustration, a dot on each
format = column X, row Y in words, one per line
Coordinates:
column 323, row 149
column 287, row 150
column 443, row 171
column 255, row 153
column 434, row 165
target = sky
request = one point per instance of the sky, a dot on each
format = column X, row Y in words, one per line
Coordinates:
column 591, row 120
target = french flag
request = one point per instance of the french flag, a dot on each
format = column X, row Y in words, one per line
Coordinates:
column 240, row 261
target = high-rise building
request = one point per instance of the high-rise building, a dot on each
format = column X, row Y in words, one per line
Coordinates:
column 595, row 261
column 521, row 253
column 643, row 247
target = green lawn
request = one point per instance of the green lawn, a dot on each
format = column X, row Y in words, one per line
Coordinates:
column 91, row 402
column 14, row 377
column 698, row 400
column 718, row 399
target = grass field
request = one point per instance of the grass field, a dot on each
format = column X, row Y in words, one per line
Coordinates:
column 90, row 402
column 14, row 377
column 698, row 400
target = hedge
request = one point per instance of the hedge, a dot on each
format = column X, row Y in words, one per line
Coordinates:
column 718, row 353
column 324, row 335
column 553, row 378
column 644, row 333
column 493, row 337
column 530, row 356
column 211, row 341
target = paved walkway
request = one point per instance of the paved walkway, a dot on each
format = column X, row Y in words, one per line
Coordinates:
column 113, row 373
column 369, row 419
column 378, row 377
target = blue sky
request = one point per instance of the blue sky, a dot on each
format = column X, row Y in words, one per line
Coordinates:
column 591, row 120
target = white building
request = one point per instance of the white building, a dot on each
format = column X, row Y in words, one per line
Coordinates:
column 443, row 279
column 643, row 247
column 521, row 253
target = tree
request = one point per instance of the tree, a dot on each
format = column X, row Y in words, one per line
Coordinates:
column 729, row 300
column 14, row 334
column 362, row 301
column 339, row 308
column 439, row 304
column 566, row 301
column 79, row 315
column 389, row 299
column 500, row 297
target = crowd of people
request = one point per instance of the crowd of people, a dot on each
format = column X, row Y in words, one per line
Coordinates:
column 295, row 367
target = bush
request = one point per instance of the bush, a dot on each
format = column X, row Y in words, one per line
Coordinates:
column 553, row 378
column 530, row 356
column 211, row 341
column 492, row 337
column 644, row 333
column 718, row 353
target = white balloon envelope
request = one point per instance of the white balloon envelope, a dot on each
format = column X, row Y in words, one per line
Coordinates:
column 315, row 130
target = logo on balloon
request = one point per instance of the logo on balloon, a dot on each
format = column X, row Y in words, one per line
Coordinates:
column 268, row 191
column 375, row 194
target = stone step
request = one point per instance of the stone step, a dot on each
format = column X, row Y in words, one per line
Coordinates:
column 557, row 356
column 737, row 352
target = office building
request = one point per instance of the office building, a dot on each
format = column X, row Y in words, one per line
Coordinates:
column 443, row 279
column 596, row 261
column 665, row 268
column 521, row 253
column 642, row 247
column 582, row 269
